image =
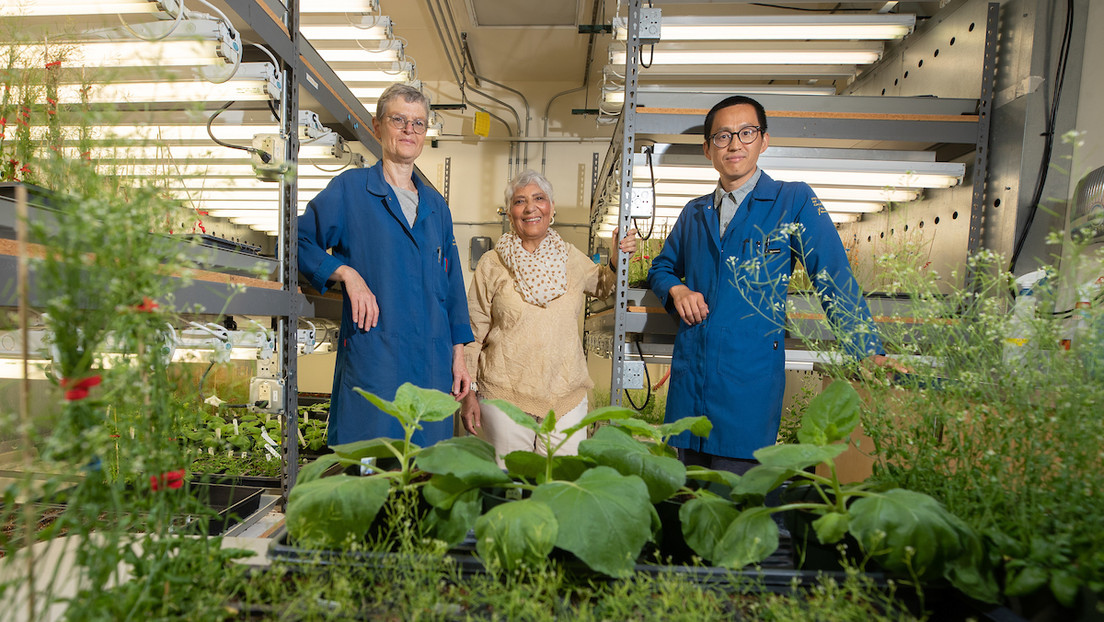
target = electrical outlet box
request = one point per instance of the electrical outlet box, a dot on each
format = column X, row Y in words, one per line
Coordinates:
column 642, row 202
column 650, row 25
column 274, row 147
column 266, row 395
column 632, row 376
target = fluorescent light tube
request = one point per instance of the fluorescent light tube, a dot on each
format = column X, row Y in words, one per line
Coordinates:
column 784, row 27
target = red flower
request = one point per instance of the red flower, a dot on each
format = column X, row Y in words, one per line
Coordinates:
column 78, row 389
column 146, row 306
column 171, row 480
column 56, row 63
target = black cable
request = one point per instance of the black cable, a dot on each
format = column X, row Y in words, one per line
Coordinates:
column 647, row 384
column 1048, row 137
column 265, row 157
column 794, row 8
column 202, row 379
column 651, row 172
column 651, row 57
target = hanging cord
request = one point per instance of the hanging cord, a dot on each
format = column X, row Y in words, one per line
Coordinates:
column 335, row 170
column 265, row 157
column 651, row 56
column 276, row 67
column 176, row 24
column 651, row 174
column 1048, row 136
column 647, row 383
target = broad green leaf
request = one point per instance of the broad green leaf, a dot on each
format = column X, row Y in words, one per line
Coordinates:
column 1065, row 585
column 313, row 470
column 605, row 518
column 640, row 428
column 515, row 534
column 613, row 447
column 526, row 464
column 374, row 448
column 452, row 525
column 1026, row 580
column 831, row 415
column 548, row 424
column 904, row 529
column 703, row 474
column 570, row 468
column 333, row 510
column 972, row 573
column 831, row 527
column 606, row 413
column 414, row 404
column 425, row 404
column 516, row 414
column 759, row 480
column 698, row 426
column 705, row 521
column 442, row 490
column 467, row 458
column 798, row 457
column 749, row 539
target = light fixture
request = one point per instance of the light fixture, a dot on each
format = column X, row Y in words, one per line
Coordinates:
column 367, row 29
column 766, row 53
column 252, row 82
column 169, row 53
column 788, row 27
column 617, row 96
column 387, row 51
column 852, row 207
column 340, row 6
column 842, row 218
column 13, row 368
column 69, row 8
column 391, row 73
column 841, row 172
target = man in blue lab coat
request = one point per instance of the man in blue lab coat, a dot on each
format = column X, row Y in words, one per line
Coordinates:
column 404, row 313
column 736, row 249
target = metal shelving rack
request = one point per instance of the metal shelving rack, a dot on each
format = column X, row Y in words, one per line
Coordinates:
column 658, row 116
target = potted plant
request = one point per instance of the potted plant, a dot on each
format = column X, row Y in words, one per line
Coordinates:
column 906, row 532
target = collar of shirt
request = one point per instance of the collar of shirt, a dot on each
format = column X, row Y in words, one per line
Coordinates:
column 737, row 195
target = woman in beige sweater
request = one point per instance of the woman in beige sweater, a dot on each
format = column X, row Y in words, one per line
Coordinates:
column 524, row 301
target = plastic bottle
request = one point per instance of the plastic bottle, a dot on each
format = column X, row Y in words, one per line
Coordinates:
column 1018, row 342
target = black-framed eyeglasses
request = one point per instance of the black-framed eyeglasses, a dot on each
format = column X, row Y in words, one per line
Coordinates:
column 400, row 122
column 746, row 134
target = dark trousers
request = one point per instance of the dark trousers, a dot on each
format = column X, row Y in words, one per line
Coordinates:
column 739, row 466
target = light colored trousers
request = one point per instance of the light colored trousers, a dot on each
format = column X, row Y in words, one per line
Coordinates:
column 500, row 430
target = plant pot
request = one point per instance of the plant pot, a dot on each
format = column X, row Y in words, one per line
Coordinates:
column 807, row 551
column 231, row 503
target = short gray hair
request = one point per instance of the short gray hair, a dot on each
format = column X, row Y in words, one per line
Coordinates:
column 408, row 93
column 525, row 178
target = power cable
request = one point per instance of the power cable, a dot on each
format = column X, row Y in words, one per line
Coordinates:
column 265, row 157
column 1048, row 136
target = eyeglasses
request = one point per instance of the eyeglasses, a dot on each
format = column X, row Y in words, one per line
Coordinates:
column 400, row 122
column 747, row 135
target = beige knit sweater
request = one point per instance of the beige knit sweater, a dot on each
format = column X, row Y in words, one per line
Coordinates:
column 530, row 356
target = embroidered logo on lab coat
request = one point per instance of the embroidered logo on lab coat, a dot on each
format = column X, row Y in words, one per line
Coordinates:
column 819, row 206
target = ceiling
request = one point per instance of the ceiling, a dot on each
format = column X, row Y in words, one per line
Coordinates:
column 515, row 41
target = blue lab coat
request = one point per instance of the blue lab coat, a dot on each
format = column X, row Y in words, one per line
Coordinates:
column 415, row 275
column 730, row 367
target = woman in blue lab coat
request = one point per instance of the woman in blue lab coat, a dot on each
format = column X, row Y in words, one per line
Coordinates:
column 404, row 312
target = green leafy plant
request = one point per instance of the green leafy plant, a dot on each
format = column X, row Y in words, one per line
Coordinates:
column 906, row 532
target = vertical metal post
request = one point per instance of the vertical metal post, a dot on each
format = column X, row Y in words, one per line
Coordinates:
column 628, row 121
column 287, row 333
column 447, row 181
column 981, row 153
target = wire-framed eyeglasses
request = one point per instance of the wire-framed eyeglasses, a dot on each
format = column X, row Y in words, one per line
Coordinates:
column 400, row 122
column 746, row 134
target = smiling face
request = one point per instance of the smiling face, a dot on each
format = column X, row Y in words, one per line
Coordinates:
column 531, row 214
column 736, row 163
column 403, row 145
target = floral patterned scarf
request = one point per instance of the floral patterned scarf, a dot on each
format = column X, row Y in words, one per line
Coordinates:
column 539, row 277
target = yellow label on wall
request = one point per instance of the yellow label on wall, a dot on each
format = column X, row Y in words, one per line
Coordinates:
column 482, row 124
